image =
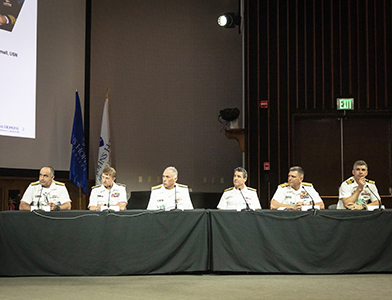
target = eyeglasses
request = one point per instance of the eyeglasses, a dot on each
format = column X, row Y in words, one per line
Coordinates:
column 359, row 169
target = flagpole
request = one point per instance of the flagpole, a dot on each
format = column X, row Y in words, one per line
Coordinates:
column 104, row 143
column 78, row 165
column 80, row 189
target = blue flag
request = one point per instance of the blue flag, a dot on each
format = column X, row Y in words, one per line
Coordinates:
column 78, row 168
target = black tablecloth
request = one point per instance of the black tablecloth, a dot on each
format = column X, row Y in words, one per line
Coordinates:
column 90, row 243
column 301, row 242
column 142, row 242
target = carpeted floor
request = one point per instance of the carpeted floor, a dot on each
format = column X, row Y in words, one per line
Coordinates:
column 189, row 287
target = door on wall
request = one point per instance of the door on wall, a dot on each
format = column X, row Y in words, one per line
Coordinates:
column 317, row 147
column 11, row 191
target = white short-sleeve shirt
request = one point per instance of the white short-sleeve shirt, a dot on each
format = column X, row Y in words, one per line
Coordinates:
column 164, row 199
column 233, row 199
column 56, row 193
column 347, row 188
column 285, row 194
column 101, row 195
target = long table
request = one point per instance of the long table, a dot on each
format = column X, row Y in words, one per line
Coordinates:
column 91, row 243
column 203, row 241
column 325, row 242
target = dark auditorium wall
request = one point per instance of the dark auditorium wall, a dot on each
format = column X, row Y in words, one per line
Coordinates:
column 300, row 56
column 170, row 69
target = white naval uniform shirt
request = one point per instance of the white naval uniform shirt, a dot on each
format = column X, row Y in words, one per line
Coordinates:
column 57, row 193
column 232, row 199
column 348, row 187
column 100, row 195
column 163, row 199
column 285, row 194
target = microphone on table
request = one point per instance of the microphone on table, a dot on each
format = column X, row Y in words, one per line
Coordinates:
column 108, row 206
column 379, row 200
column 110, row 190
column 175, row 200
column 246, row 202
column 311, row 198
column 40, row 195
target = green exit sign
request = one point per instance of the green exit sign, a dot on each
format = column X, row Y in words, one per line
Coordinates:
column 345, row 103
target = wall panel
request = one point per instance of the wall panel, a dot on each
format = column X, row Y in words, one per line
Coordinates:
column 308, row 54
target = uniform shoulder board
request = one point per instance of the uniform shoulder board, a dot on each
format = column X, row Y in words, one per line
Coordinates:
column 350, row 181
column 307, row 184
column 58, row 182
column 156, row 187
column 182, row 185
column 251, row 189
column 284, row 184
column 34, row 183
column 95, row 186
column 370, row 181
column 121, row 184
column 229, row 189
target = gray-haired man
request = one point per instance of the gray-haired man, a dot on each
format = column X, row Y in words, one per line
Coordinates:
column 170, row 195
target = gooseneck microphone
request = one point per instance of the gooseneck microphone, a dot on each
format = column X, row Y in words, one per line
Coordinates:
column 175, row 196
column 246, row 202
column 40, row 195
column 379, row 200
column 175, row 199
column 110, row 193
column 311, row 198
column 108, row 205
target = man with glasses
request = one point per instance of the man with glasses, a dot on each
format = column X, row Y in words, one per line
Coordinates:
column 46, row 192
column 358, row 192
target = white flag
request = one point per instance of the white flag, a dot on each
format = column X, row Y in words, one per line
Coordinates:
column 104, row 144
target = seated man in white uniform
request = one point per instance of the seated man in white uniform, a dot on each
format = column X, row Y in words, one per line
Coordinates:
column 293, row 194
column 108, row 194
column 357, row 192
column 46, row 192
column 238, row 196
column 170, row 195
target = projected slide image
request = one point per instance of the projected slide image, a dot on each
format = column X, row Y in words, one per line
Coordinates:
column 18, row 61
column 9, row 11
